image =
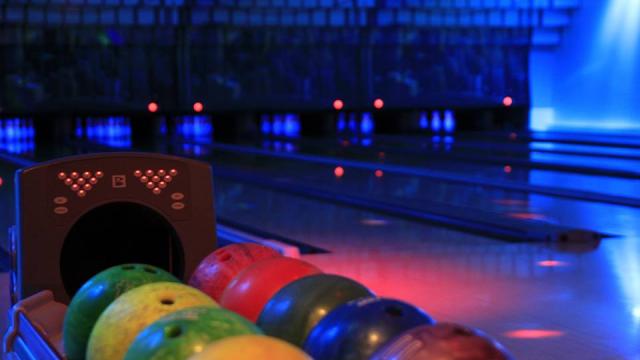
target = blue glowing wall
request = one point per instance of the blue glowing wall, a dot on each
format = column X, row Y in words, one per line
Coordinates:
column 592, row 81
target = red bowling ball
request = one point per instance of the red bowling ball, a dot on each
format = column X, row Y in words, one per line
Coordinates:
column 442, row 341
column 217, row 270
column 249, row 292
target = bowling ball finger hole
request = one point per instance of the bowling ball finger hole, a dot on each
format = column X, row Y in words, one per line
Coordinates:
column 393, row 311
column 173, row 331
column 225, row 257
column 462, row 332
column 167, row 301
column 150, row 270
column 128, row 267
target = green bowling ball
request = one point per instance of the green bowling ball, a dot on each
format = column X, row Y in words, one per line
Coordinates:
column 186, row 332
column 294, row 310
column 96, row 294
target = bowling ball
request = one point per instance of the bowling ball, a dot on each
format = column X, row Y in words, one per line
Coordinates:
column 442, row 342
column 216, row 271
column 248, row 292
column 251, row 347
column 355, row 330
column 96, row 294
column 299, row 306
column 120, row 322
column 186, row 332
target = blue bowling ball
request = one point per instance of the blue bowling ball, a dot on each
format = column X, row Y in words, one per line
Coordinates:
column 358, row 328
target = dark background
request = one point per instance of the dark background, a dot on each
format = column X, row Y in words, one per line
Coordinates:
column 266, row 54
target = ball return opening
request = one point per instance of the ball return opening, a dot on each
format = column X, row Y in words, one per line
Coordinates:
column 79, row 215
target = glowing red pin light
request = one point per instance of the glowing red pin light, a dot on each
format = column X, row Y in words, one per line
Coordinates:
column 379, row 173
column 378, row 103
column 152, row 107
column 198, row 107
column 338, row 171
column 338, row 104
column 507, row 101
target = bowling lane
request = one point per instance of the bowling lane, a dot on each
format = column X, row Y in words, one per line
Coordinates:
column 600, row 138
column 423, row 193
column 618, row 177
column 534, row 154
column 511, row 148
column 532, row 298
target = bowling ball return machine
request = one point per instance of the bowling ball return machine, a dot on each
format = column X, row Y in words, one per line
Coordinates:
column 79, row 215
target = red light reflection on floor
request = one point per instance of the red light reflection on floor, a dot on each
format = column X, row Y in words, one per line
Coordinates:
column 374, row 222
column 526, row 216
column 511, row 202
column 551, row 263
column 532, row 334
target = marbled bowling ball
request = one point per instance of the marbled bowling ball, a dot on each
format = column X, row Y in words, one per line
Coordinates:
column 249, row 292
column 186, row 332
column 443, row 341
column 357, row 329
column 216, row 271
column 98, row 293
column 129, row 314
column 294, row 310
column 251, row 347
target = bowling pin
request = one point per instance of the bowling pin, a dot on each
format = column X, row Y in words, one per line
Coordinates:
column 352, row 122
column 265, row 124
column 436, row 122
column 289, row 126
column 366, row 123
column 277, row 125
column 424, row 120
column 449, row 121
column 341, row 124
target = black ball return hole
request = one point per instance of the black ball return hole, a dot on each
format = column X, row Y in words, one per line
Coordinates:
column 118, row 233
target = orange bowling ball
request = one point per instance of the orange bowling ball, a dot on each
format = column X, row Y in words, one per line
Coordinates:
column 249, row 292
column 251, row 347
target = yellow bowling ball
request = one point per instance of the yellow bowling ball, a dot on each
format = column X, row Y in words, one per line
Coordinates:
column 250, row 347
column 133, row 311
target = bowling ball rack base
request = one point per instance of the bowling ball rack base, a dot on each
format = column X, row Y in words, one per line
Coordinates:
column 35, row 329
